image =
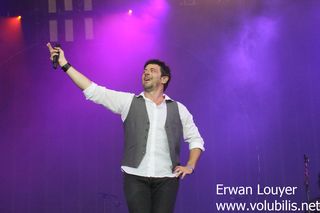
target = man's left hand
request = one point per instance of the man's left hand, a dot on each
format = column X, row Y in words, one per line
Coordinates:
column 182, row 171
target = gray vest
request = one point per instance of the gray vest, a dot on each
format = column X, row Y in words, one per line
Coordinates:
column 136, row 128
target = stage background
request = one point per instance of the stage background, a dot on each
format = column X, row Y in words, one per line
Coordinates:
column 247, row 70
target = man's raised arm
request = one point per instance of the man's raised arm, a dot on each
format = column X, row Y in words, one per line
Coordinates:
column 79, row 79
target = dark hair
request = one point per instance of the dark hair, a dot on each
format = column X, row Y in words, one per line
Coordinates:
column 165, row 70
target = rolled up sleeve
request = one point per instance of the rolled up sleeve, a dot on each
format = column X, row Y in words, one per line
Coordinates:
column 88, row 92
column 190, row 130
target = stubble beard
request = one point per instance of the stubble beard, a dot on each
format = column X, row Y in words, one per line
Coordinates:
column 148, row 88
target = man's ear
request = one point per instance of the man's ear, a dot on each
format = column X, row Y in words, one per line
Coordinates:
column 164, row 79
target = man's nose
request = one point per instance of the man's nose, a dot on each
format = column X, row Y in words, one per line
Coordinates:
column 147, row 72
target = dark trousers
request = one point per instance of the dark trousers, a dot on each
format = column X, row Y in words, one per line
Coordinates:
column 150, row 195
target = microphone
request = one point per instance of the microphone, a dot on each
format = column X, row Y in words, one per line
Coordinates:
column 56, row 58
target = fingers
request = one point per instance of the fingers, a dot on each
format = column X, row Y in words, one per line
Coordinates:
column 53, row 49
column 177, row 171
column 49, row 46
column 53, row 54
column 181, row 172
column 183, row 175
column 176, row 168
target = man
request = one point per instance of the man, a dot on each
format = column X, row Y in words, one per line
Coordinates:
column 153, row 126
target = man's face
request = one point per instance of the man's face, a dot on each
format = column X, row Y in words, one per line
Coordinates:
column 151, row 77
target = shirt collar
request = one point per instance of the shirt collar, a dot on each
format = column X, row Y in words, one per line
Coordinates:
column 166, row 98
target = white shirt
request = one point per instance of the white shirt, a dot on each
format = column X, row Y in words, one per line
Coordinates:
column 157, row 161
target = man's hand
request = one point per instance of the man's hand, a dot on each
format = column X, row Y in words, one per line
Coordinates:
column 79, row 79
column 55, row 51
column 182, row 171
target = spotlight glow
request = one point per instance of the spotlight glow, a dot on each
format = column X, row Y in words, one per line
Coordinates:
column 130, row 12
column 19, row 18
column 11, row 31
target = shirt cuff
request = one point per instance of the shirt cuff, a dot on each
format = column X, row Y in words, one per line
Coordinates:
column 196, row 144
column 88, row 92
